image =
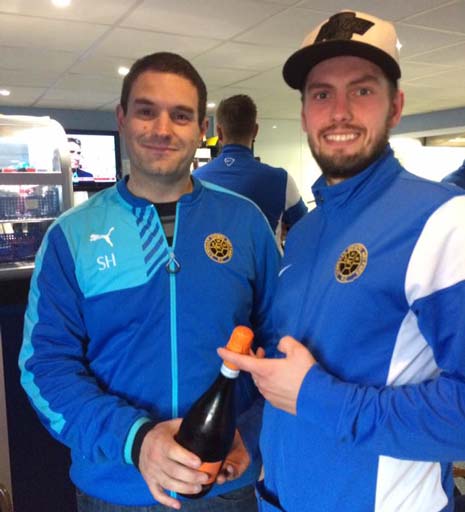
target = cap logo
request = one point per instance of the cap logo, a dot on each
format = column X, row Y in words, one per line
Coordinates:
column 343, row 26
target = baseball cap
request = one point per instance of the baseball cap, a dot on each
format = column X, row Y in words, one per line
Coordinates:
column 345, row 33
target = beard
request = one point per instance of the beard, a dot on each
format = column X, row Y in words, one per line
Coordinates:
column 337, row 166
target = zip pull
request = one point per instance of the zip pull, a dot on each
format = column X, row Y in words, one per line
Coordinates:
column 173, row 266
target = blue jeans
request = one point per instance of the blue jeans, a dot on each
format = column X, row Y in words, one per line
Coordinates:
column 240, row 500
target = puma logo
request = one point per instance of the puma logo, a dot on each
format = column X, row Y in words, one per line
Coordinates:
column 95, row 237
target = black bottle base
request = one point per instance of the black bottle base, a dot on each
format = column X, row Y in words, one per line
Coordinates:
column 205, row 490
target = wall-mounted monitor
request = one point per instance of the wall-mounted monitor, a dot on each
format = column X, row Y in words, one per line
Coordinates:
column 95, row 158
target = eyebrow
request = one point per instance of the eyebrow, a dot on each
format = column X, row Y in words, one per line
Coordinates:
column 143, row 101
column 146, row 101
column 362, row 79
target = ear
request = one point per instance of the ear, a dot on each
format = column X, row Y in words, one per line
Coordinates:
column 303, row 118
column 204, row 128
column 255, row 131
column 397, row 106
column 120, row 116
column 219, row 132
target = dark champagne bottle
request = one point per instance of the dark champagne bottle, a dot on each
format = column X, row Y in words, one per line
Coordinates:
column 208, row 428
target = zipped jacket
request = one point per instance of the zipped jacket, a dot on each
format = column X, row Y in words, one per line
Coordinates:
column 122, row 328
column 373, row 283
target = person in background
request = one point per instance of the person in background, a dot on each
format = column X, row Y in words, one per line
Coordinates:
column 457, row 177
column 75, row 153
column 132, row 292
column 366, row 405
column 271, row 188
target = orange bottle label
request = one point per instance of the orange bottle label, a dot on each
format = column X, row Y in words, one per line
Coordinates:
column 212, row 469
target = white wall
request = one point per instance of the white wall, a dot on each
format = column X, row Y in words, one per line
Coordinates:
column 282, row 143
column 428, row 161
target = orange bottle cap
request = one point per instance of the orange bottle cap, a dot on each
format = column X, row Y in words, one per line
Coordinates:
column 239, row 342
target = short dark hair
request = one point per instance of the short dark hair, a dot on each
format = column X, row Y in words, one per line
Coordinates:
column 237, row 116
column 165, row 62
column 76, row 141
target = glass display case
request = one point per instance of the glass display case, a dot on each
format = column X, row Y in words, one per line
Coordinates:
column 35, row 187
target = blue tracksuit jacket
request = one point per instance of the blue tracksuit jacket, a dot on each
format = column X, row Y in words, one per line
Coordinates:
column 271, row 188
column 373, row 282
column 121, row 327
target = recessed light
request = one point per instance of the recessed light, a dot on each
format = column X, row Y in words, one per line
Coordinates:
column 61, row 3
column 274, row 127
column 123, row 70
column 4, row 92
column 211, row 104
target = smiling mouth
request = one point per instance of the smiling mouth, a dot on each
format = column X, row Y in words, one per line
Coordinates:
column 341, row 137
column 159, row 148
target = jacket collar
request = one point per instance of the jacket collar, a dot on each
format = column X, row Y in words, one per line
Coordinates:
column 140, row 202
column 236, row 148
column 370, row 181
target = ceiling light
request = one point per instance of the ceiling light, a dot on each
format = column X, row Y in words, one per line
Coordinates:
column 61, row 3
column 123, row 70
column 274, row 127
column 398, row 45
column 4, row 92
column 211, row 104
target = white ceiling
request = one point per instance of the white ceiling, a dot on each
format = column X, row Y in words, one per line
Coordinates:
column 68, row 58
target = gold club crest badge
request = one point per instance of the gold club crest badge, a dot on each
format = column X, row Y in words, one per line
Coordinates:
column 218, row 247
column 351, row 263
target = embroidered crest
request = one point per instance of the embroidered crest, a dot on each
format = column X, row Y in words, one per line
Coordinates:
column 351, row 263
column 229, row 161
column 218, row 248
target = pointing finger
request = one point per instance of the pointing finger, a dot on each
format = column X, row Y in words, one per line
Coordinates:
column 243, row 362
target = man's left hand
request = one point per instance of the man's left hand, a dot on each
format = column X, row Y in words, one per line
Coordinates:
column 236, row 462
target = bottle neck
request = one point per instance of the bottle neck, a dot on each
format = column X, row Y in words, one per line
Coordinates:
column 228, row 372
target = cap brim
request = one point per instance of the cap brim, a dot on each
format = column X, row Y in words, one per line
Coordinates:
column 298, row 65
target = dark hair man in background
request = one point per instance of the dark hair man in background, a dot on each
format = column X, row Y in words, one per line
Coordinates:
column 271, row 188
column 367, row 411
column 75, row 153
column 131, row 295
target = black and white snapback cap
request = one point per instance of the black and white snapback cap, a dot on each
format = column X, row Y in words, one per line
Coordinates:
column 346, row 33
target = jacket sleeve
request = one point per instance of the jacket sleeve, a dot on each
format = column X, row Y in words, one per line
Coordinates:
column 416, row 420
column 295, row 207
column 68, row 398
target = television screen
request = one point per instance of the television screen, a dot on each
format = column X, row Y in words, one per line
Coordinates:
column 95, row 158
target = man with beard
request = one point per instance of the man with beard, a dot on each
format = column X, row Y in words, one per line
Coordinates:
column 366, row 411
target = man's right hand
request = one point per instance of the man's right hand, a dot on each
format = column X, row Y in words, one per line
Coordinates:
column 167, row 466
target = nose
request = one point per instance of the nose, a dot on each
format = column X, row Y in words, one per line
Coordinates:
column 342, row 110
column 161, row 125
